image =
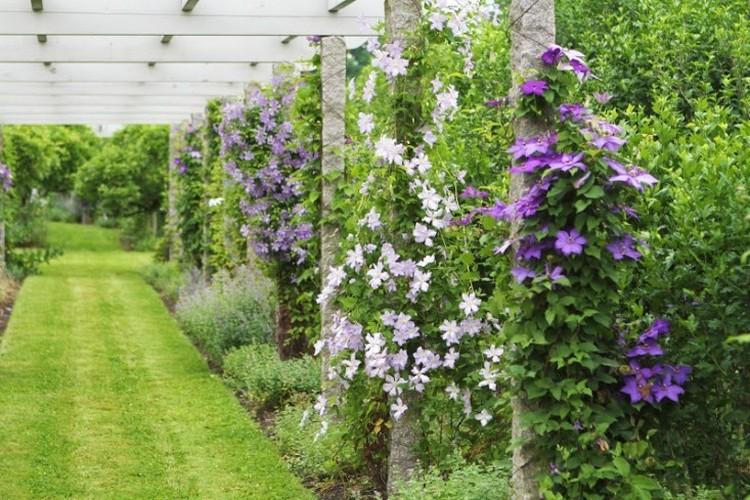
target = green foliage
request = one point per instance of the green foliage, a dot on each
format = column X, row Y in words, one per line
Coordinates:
column 234, row 310
column 462, row 481
column 192, row 199
column 166, row 277
column 701, row 221
column 644, row 48
column 24, row 262
column 266, row 380
column 319, row 459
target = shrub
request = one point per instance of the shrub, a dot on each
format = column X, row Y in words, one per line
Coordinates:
column 465, row 481
column 232, row 311
column 266, row 380
column 166, row 278
column 23, row 262
column 312, row 458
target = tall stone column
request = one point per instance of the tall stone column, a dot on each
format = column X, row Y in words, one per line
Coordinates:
column 532, row 30
column 402, row 18
column 3, row 249
column 333, row 92
column 173, row 222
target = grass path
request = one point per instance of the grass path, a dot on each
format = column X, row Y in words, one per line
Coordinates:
column 102, row 397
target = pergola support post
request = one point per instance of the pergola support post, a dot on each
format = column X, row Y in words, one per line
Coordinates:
column 333, row 97
column 3, row 249
column 532, row 29
column 173, row 222
column 402, row 18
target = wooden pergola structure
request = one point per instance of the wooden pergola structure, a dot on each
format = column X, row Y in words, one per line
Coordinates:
column 154, row 61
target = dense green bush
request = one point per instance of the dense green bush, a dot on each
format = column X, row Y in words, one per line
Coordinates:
column 313, row 458
column 266, row 380
column 166, row 278
column 465, row 482
column 696, row 274
column 232, row 311
column 23, row 262
column 687, row 49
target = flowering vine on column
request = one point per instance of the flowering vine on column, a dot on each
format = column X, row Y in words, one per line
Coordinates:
column 571, row 230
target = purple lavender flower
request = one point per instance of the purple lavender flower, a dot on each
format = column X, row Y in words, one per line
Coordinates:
column 624, row 247
column 534, row 87
column 570, row 242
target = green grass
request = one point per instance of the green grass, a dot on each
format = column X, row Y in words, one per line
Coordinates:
column 102, row 397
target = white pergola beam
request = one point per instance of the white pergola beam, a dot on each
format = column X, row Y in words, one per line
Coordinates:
column 103, row 24
column 103, row 119
column 157, row 89
column 83, row 100
column 64, row 49
column 104, row 109
column 132, row 72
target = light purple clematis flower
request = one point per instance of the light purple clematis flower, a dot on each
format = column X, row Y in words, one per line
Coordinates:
column 521, row 274
column 570, row 242
column 567, row 161
column 632, row 176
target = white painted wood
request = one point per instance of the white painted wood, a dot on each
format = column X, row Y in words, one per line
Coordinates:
column 9, row 100
column 205, row 8
column 104, row 109
column 157, row 89
column 148, row 49
column 112, row 119
column 55, row 23
column 135, row 72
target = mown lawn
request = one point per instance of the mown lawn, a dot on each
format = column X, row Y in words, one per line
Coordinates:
column 101, row 396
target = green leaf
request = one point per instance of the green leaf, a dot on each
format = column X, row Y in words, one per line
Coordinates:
column 595, row 192
column 622, row 466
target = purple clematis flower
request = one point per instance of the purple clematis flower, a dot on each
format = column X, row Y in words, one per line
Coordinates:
column 657, row 328
column 534, row 87
column 521, row 274
column 567, row 161
column 570, row 242
column 542, row 144
column 608, row 142
column 632, row 176
column 650, row 348
column 574, row 112
column 638, row 389
column 532, row 164
column 552, row 55
column 602, row 97
column 624, row 247
column 554, row 274
column 472, row 192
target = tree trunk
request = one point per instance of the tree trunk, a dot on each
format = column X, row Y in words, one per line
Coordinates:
column 402, row 20
column 532, row 31
column 333, row 91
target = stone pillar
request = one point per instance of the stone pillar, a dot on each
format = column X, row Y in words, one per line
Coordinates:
column 402, row 18
column 173, row 218
column 3, row 249
column 333, row 92
column 533, row 29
